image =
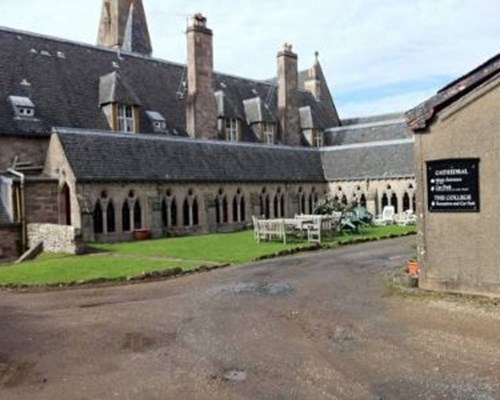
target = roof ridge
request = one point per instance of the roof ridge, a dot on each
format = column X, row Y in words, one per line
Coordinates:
column 150, row 136
column 379, row 143
column 366, row 125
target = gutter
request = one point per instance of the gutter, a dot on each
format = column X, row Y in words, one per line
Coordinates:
column 24, row 228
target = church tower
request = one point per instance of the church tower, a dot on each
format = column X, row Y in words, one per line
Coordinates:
column 124, row 26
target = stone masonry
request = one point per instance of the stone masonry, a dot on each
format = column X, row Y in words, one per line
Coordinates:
column 287, row 96
column 201, row 106
column 55, row 238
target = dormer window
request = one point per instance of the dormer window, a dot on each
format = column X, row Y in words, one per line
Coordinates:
column 119, row 103
column 268, row 133
column 157, row 120
column 318, row 138
column 125, row 118
column 229, row 129
column 23, row 106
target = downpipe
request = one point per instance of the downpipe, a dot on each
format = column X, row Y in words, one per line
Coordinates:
column 24, row 227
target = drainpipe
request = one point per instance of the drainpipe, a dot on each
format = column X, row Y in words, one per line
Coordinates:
column 24, row 230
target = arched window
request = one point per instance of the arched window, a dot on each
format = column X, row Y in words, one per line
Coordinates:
column 173, row 212
column 406, row 202
column 276, row 206
column 282, row 205
column 265, row 208
column 302, row 203
column 98, row 218
column 394, row 202
column 311, row 204
column 344, row 200
column 196, row 217
column 65, row 205
column 414, row 203
column 110, row 217
column 164, row 213
column 137, row 215
column 236, row 207
column 243, row 210
column 126, row 217
column 225, row 216
column 362, row 200
column 385, row 200
column 185, row 212
column 218, row 213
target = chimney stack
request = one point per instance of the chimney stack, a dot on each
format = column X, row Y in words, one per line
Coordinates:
column 201, row 107
column 288, row 89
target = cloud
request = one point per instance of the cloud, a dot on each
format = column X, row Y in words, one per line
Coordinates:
column 364, row 45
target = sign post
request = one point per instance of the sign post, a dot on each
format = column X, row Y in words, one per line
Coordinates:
column 453, row 185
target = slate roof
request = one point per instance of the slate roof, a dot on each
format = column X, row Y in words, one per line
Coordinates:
column 421, row 116
column 373, row 118
column 389, row 159
column 99, row 156
column 368, row 130
column 62, row 79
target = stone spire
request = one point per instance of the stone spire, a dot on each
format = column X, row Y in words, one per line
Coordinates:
column 314, row 78
column 124, row 26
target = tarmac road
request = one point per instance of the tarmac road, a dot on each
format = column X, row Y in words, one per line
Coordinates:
column 313, row 326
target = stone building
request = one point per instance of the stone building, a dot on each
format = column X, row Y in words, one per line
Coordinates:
column 108, row 139
column 457, row 162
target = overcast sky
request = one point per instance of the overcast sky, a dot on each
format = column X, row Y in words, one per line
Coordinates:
column 378, row 55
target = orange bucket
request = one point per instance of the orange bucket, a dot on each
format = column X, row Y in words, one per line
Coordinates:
column 413, row 267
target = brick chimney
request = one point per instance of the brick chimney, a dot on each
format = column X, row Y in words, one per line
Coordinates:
column 201, row 106
column 288, row 110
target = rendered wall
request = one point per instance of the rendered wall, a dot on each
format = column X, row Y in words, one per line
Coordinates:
column 460, row 252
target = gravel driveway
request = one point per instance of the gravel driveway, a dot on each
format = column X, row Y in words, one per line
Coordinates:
column 313, row 326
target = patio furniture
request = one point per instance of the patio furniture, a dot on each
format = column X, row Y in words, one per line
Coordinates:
column 406, row 218
column 387, row 216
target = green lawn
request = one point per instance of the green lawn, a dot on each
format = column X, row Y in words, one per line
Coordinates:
column 135, row 258
column 235, row 248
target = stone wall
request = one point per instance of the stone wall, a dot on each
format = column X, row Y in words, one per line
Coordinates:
column 55, row 238
column 10, row 242
column 376, row 192
column 152, row 197
column 41, row 198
